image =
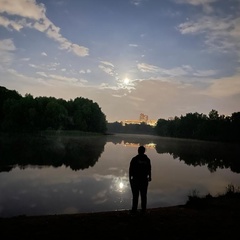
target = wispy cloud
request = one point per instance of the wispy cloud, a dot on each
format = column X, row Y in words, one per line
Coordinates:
column 107, row 67
column 7, row 45
column 144, row 67
column 221, row 34
column 25, row 59
column 83, row 71
column 6, row 48
column 32, row 15
column 136, row 2
column 10, row 24
column 63, row 78
column 132, row 45
column 43, row 74
column 184, row 70
column 205, row 4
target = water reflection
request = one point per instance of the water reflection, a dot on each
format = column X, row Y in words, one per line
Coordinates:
column 136, row 145
column 83, row 152
column 74, row 152
column 198, row 153
column 194, row 153
column 119, row 184
column 67, row 174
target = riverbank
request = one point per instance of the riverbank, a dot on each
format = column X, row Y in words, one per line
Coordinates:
column 217, row 218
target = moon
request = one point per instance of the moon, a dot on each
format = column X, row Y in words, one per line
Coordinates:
column 126, row 81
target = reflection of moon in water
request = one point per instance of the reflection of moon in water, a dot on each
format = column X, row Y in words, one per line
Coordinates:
column 120, row 184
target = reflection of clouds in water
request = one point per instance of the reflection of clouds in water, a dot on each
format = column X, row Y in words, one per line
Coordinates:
column 113, row 169
column 55, row 190
column 76, row 190
column 70, row 210
column 117, row 184
column 114, row 192
column 100, row 197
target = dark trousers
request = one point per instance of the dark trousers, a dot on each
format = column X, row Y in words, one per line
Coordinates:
column 139, row 187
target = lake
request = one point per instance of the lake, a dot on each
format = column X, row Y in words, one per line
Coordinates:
column 66, row 174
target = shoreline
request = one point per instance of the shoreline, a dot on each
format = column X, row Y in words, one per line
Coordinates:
column 219, row 219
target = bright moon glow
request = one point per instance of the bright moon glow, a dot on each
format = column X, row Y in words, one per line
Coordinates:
column 126, row 81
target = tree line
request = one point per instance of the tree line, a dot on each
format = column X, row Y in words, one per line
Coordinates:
column 213, row 127
column 18, row 113
column 29, row 114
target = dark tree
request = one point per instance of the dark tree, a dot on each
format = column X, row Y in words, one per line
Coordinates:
column 30, row 114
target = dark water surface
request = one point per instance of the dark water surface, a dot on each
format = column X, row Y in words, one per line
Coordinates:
column 70, row 174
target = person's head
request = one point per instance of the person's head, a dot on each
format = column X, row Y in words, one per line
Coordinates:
column 141, row 150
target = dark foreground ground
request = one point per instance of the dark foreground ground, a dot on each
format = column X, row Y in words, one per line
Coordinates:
column 212, row 219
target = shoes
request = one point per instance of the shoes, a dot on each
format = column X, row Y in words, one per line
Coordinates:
column 143, row 212
column 133, row 212
column 136, row 212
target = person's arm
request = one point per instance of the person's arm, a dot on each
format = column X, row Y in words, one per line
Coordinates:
column 150, row 172
column 130, row 171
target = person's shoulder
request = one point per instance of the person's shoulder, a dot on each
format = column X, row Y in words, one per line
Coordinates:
column 146, row 156
column 135, row 157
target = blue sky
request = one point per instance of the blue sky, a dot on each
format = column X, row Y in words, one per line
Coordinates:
column 161, row 58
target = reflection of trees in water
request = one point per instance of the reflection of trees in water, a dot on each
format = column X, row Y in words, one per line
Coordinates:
column 83, row 152
column 198, row 153
column 74, row 152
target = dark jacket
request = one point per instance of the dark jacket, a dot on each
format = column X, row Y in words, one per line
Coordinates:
column 140, row 168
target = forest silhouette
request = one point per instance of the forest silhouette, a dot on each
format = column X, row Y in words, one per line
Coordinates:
column 213, row 127
column 29, row 114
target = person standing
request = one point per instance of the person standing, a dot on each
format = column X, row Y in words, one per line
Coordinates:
column 139, row 177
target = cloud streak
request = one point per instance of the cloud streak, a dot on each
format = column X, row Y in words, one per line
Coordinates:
column 33, row 15
column 221, row 33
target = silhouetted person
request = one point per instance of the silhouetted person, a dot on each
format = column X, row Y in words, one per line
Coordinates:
column 139, row 176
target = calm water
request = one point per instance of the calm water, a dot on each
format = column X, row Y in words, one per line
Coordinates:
column 69, row 174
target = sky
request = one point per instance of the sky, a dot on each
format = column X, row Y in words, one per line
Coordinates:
column 162, row 58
